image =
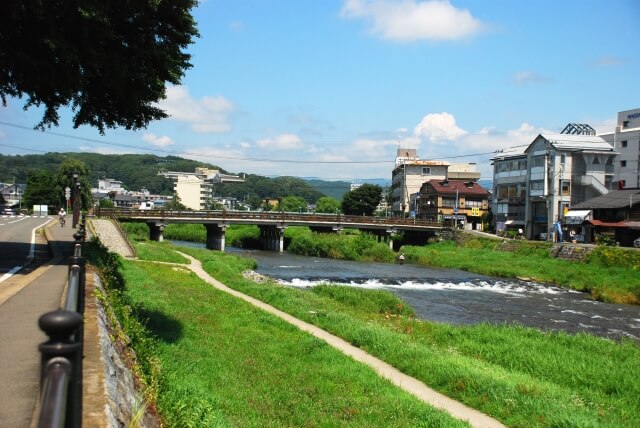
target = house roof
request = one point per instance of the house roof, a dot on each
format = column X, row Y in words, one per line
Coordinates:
column 613, row 199
column 571, row 142
column 459, row 185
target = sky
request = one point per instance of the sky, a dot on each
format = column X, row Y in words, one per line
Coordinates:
column 332, row 88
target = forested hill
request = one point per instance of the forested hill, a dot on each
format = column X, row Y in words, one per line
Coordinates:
column 138, row 171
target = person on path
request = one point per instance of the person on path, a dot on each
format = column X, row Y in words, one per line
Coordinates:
column 401, row 258
column 61, row 215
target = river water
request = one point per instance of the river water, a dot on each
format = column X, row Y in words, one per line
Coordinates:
column 459, row 297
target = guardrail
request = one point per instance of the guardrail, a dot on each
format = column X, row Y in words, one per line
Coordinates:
column 279, row 216
column 61, row 355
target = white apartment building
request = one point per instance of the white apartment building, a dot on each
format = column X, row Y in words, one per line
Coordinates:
column 562, row 170
column 106, row 185
column 195, row 189
column 410, row 173
column 626, row 141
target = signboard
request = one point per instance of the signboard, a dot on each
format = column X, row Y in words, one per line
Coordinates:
column 475, row 211
column 67, row 193
column 40, row 210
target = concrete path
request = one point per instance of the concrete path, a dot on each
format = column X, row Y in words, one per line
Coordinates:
column 409, row 384
column 23, row 299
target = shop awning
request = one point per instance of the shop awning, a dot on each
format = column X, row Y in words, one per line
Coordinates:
column 577, row 216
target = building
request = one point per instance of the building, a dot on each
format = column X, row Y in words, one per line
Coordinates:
column 626, row 141
column 13, row 194
column 455, row 201
column 108, row 185
column 410, row 173
column 195, row 189
column 509, row 189
column 615, row 215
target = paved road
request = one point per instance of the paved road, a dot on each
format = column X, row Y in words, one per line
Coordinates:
column 23, row 298
column 17, row 240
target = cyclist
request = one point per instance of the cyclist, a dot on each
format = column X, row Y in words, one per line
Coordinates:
column 62, row 215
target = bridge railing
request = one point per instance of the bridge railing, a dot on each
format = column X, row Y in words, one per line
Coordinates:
column 276, row 216
column 61, row 355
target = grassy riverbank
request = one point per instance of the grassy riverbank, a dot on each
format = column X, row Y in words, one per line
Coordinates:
column 609, row 274
column 236, row 365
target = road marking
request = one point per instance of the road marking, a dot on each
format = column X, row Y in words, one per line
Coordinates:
column 32, row 251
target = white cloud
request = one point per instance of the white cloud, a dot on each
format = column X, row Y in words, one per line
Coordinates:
column 529, row 77
column 608, row 61
column 438, row 127
column 281, row 142
column 206, row 115
column 409, row 20
column 157, row 141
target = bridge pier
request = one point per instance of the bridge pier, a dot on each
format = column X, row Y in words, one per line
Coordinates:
column 156, row 231
column 215, row 236
column 272, row 238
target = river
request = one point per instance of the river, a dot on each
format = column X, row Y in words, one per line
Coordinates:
column 458, row 297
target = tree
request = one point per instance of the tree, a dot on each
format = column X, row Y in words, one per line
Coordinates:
column 64, row 178
column 327, row 204
column 363, row 200
column 42, row 189
column 108, row 60
column 292, row 204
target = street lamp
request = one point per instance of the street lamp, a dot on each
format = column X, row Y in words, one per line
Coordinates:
column 76, row 200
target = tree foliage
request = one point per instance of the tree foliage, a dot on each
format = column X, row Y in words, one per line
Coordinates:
column 272, row 188
column 42, row 189
column 363, row 200
column 108, row 60
column 327, row 204
column 292, row 204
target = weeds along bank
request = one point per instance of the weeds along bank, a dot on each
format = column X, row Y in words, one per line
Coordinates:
column 213, row 360
column 609, row 274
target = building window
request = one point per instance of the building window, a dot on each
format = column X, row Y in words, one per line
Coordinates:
column 625, row 124
column 563, row 158
column 536, row 185
column 623, row 164
column 426, row 170
column 623, row 143
column 448, row 202
column 565, row 187
column 471, row 203
column 538, row 161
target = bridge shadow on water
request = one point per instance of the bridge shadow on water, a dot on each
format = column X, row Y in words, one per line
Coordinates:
column 161, row 325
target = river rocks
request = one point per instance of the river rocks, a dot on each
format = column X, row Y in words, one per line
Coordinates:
column 255, row 276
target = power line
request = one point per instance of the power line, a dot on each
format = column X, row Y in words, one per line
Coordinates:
column 238, row 158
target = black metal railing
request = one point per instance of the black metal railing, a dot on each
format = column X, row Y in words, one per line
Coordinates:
column 61, row 355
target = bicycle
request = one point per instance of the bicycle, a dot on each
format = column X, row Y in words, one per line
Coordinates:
column 62, row 221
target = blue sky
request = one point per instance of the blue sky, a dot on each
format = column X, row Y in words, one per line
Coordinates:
column 331, row 88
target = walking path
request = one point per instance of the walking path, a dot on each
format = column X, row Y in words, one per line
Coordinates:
column 23, row 299
column 114, row 241
column 408, row 383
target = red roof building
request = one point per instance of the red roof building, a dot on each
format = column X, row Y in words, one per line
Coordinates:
column 455, row 201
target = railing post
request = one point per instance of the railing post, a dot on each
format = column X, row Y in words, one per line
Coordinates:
column 80, row 263
column 60, row 326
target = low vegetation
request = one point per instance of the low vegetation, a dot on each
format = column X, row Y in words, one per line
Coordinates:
column 221, row 362
column 608, row 273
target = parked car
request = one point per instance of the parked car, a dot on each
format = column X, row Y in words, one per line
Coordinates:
column 543, row 236
column 636, row 243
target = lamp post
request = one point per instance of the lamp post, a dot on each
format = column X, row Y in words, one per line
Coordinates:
column 76, row 200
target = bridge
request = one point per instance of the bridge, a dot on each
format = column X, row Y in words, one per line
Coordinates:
column 273, row 223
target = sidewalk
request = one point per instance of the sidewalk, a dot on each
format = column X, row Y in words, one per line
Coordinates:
column 23, row 299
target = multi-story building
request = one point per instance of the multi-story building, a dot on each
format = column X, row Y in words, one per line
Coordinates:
column 510, row 189
column 626, row 141
column 195, row 189
column 456, row 201
column 410, row 173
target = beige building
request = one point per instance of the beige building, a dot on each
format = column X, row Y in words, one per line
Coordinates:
column 195, row 189
column 410, row 173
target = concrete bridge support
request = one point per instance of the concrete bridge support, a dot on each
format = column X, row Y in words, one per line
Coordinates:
column 383, row 235
column 215, row 236
column 272, row 237
column 156, row 231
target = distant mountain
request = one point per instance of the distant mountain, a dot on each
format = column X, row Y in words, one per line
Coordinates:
column 337, row 189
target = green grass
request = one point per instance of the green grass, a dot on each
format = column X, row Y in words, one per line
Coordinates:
column 609, row 274
column 222, row 362
column 519, row 375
